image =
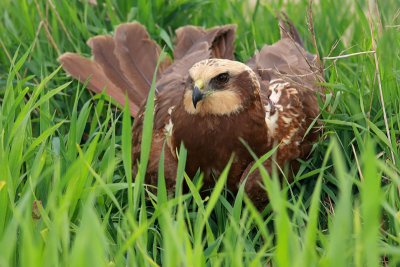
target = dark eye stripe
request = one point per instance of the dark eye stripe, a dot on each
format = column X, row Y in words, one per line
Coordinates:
column 220, row 79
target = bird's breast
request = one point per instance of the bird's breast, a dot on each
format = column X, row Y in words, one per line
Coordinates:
column 212, row 140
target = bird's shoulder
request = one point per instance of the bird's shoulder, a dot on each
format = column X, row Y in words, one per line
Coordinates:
column 289, row 112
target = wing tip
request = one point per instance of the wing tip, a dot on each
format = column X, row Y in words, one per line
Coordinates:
column 66, row 56
column 228, row 27
column 287, row 28
column 67, row 59
column 91, row 42
column 123, row 28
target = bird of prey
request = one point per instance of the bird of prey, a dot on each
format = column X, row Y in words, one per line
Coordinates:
column 208, row 101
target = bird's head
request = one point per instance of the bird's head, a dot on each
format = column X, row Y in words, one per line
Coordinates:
column 219, row 87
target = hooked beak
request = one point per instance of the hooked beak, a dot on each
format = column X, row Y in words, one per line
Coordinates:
column 197, row 95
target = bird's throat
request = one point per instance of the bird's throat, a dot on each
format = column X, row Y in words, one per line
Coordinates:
column 224, row 102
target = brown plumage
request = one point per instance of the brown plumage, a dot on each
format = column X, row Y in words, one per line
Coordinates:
column 208, row 101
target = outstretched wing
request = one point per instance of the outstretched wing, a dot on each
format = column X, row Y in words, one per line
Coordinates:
column 123, row 64
column 289, row 78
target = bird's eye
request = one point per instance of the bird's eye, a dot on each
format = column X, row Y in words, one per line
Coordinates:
column 222, row 78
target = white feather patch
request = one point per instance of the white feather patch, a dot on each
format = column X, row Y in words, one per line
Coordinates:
column 169, row 126
column 272, row 122
column 275, row 96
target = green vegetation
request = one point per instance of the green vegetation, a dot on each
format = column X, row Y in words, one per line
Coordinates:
column 66, row 193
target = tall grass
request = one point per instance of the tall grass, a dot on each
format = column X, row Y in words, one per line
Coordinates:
column 66, row 191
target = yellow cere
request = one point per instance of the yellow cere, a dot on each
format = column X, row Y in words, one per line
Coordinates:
column 199, row 84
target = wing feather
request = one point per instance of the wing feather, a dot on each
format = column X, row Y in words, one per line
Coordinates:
column 137, row 55
column 86, row 70
column 220, row 39
column 123, row 64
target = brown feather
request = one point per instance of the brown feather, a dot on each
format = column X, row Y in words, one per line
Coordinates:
column 220, row 39
column 186, row 37
column 126, row 64
column 102, row 50
column 288, row 30
column 85, row 70
column 286, row 60
column 223, row 42
column 137, row 55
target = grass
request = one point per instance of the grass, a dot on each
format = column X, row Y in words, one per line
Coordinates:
column 66, row 192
